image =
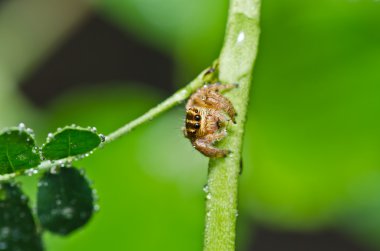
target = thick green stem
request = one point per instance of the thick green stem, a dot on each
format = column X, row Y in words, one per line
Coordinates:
column 235, row 66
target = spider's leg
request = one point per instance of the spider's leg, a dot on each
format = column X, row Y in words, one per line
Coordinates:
column 204, row 145
column 209, row 150
column 219, row 87
column 219, row 102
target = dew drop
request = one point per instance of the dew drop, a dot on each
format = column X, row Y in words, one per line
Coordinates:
column 54, row 170
column 96, row 208
column 205, row 188
column 50, row 136
column 30, row 131
column 21, row 126
column 4, row 232
column 68, row 212
column 43, row 184
column 35, row 149
column 24, row 198
column 240, row 37
column 95, row 195
column 69, row 163
column 31, row 171
column 208, row 196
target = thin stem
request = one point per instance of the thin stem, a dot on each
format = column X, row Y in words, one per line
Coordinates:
column 45, row 165
column 173, row 100
column 235, row 66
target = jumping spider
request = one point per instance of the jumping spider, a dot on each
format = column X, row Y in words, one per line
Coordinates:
column 206, row 117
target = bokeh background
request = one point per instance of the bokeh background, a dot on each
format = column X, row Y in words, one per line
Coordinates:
column 311, row 177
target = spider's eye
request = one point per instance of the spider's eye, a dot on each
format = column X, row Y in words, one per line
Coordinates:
column 197, row 117
column 196, row 110
column 197, row 125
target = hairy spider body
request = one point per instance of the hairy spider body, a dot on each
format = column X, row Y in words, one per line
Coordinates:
column 207, row 112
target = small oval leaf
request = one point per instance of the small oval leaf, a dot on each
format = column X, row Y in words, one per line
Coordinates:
column 17, row 151
column 17, row 226
column 64, row 201
column 70, row 141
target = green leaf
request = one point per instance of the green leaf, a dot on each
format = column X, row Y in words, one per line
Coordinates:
column 70, row 141
column 64, row 201
column 17, row 151
column 17, row 226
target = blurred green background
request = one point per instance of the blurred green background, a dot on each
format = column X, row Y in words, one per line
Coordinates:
column 311, row 155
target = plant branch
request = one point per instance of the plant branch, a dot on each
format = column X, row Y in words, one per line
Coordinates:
column 173, row 100
column 235, row 66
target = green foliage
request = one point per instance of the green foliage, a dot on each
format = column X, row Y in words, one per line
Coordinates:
column 17, row 226
column 70, row 141
column 17, row 151
column 64, row 200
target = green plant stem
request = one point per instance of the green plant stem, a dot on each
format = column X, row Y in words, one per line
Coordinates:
column 235, row 66
column 173, row 100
